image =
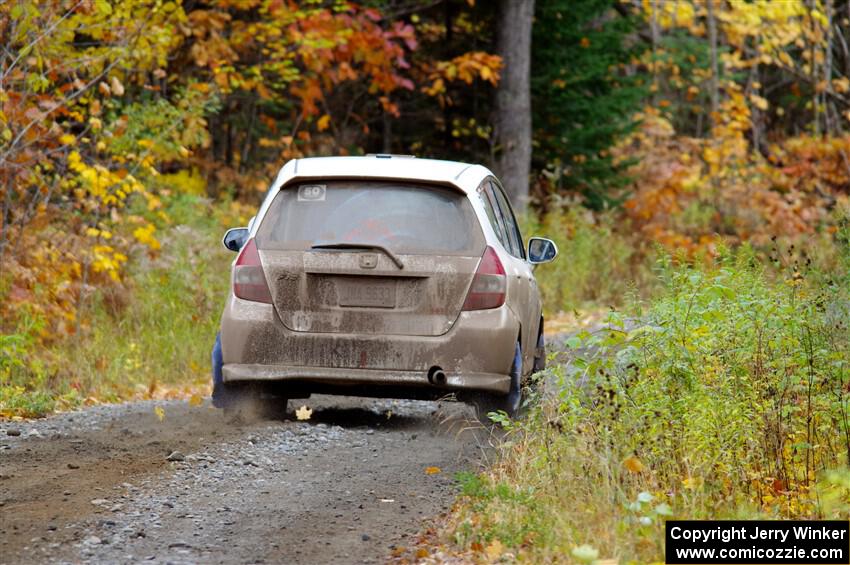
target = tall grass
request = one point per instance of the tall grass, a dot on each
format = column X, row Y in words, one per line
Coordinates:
column 597, row 265
column 730, row 399
column 150, row 335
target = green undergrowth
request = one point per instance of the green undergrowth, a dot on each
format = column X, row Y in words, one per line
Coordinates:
column 597, row 264
column 727, row 395
column 149, row 336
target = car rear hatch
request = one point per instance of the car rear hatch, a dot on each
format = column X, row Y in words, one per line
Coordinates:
column 369, row 257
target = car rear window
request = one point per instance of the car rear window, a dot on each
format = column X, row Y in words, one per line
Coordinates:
column 405, row 218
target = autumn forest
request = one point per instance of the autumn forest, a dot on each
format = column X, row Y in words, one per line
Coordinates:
column 691, row 158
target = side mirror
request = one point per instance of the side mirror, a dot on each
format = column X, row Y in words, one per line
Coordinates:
column 235, row 238
column 541, row 250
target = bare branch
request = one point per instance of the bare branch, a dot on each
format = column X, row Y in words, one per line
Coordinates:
column 26, row 49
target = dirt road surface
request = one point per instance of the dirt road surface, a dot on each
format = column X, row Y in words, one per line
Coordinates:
column 346, row 486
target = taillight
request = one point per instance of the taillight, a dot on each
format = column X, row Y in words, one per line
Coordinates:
column 488, row 284
column 249, row 281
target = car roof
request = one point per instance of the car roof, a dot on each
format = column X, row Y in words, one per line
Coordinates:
column 464, row 176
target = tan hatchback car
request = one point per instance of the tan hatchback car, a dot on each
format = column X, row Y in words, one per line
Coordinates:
column 384, row 276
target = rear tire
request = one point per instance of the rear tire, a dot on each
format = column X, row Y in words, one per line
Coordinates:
column 509, row 403
column 245, row 402
column 248, row 403
column 540, row 354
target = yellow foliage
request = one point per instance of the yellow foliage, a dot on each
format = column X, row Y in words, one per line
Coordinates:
column 107, row 260
column 687, row 190
column 465, row 68
column 323, row 123
column 759, row 102
column 144, row 235
column 185, row 181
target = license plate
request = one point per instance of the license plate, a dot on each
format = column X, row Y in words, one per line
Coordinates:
column 366, row 293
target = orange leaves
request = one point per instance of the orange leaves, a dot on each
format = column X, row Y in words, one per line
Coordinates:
column 389, row 106
column 813, row 170
column 686, row 191
column 309, row 93
column 633, row 465
column 299, row 51
column 211, row 48
column 323, row 123
column 465, row 68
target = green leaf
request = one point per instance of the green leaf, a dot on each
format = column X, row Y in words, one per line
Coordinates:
column 664, row 509
column 585, row 553
column 103, row 7
column 573, row 342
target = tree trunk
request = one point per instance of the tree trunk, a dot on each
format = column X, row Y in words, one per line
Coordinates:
column 712, row 39
column 387, row 134
column 513, row 99
column 655, row 34
column 813, row 77
column 827, row 70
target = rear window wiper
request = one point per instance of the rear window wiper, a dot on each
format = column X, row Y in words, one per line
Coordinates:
column 350, row 245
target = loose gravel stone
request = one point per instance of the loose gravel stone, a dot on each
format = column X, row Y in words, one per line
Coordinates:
column 246, row 484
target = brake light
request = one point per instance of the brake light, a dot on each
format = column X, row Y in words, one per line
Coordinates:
column 488, row 284
column 249, row 281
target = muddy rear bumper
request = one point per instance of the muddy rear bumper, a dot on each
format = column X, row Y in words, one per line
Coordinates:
column 371, row 378
column 476, row 354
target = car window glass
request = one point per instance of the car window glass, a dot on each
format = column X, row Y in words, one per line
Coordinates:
column 500, row 221
column 491, row 214
column 509, row 221
column 405, row 218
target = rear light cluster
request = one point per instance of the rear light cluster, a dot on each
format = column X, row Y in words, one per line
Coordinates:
column 488, row 284
column 249, row 280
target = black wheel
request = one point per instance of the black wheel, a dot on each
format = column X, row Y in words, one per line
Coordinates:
column 250, row 403
column 508, row 403
column 540, row 353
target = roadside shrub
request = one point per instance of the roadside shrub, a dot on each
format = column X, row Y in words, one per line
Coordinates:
column 149, row 336
column 728, row 396
column 734, row 381
column 596, row 263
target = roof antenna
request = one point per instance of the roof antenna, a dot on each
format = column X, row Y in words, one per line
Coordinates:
column 390, row 156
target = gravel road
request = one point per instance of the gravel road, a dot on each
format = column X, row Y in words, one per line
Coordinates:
column 347, row 486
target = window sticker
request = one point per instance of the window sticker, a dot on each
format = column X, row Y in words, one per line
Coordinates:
column 311, row 193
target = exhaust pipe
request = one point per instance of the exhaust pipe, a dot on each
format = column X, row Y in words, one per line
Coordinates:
column 440, row 378
column 436, row 376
